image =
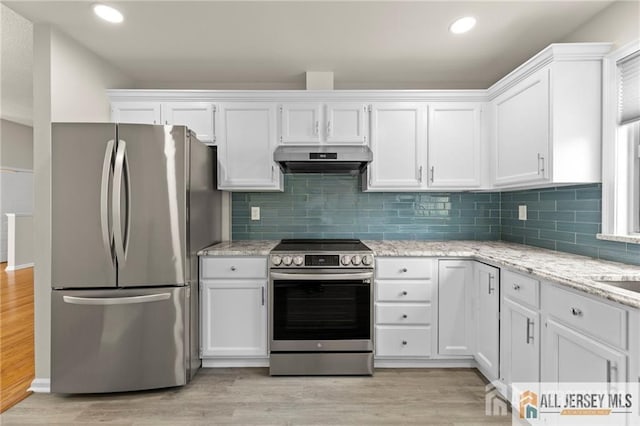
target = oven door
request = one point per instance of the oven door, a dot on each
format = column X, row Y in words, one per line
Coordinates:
column 321, row 311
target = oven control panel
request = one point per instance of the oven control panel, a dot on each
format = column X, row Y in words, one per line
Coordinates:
column 321, row 260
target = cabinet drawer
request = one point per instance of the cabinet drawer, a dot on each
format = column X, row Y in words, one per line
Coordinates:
column 601, row 320
column 403, row 267
column 403, row 341
column 403, row 291
column 233, row 267
column 398, row 314
column 521, row 288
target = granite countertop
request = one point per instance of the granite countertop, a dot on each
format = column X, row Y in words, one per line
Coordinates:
column 240, row 248
column 571, row 270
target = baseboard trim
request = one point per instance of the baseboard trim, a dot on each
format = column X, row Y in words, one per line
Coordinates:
column 16, row 267
column 234, row 362
column 40, row 386
column 424, row 363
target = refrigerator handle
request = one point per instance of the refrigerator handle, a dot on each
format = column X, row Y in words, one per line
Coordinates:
column 107, row 233
column 118, row 176
column 115, row 300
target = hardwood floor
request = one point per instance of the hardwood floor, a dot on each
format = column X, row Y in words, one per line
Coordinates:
column 16, row 335
column 250, row 397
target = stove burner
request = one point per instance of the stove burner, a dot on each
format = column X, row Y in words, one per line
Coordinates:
column 321, row 253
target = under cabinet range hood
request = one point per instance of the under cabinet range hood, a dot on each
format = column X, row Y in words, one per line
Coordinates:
column 336, row 159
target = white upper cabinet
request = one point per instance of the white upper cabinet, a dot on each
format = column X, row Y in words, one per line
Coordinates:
column 547, row 118
column 454, row 145
column 315, row 123
column 522, row 131
column 197, row 116
column 398, row 142
column 136, row 112
column 246, row 142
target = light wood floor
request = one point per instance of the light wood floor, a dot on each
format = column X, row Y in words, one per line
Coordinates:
column 250, row 397
column 16, row 335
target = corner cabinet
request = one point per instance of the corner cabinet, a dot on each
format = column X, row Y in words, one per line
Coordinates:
column 331, row 123
column 547, row 118
column 487, row 319
column 455, row 313
column 247, row 138
column 233, row 298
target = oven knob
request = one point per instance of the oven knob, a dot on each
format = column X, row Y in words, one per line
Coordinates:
column 286, row 260
column 276, row 260
column 367, row 260
column 298, row 260
column 345, row 260
column 356, row 260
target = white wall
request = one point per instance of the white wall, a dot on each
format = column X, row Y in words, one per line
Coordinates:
column 69, row 85
column 16, row 196
column 20, row 241
column 16, row 146
column 618, row 23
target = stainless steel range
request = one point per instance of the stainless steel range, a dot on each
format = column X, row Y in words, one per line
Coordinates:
column 321, row 308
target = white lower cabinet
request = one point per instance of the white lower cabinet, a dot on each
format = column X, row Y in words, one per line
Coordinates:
column 233, row 300
column 519, row 343
column 404, row 308
column 486, row 318
column 455, row 319
column 584, row 339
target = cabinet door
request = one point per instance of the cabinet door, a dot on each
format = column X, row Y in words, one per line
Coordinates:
column 455, row 323
column 487, row 319
column 247, row 139
column 570, row 356
column 197, row 116
column 520, row 343
column 522, row 131
column 136, row 112
column 346, row 123
column 454, row 145
column 398, row 135
column 300, row 123
column 234, row 318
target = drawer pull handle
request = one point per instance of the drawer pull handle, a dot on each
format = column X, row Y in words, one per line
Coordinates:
column 233, row 268
column 516, row 287
column 404, row 343
column 404, row 293
column 576, row 312
column 404, row 316
column 403, row 270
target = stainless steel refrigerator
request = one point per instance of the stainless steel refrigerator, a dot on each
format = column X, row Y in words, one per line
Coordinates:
column 131, row 205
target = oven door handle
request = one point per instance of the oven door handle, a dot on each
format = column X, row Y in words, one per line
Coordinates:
column 322, row 277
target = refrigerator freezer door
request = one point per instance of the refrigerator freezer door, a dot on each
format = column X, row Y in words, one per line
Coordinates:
column 81, row 229
column 118, row 340
column 151, row 235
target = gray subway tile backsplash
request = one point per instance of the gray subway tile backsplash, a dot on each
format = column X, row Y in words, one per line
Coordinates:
column 332, row 206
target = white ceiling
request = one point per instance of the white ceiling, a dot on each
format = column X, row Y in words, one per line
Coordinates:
column 367, row 44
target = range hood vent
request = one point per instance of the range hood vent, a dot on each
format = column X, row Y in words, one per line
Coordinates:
column 334, row 159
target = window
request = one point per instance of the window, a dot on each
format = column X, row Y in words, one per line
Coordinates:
column 621, row 146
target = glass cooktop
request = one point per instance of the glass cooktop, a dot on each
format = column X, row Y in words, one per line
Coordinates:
column 320, row 245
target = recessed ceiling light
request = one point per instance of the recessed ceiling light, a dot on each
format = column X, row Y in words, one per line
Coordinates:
column 108, row 13
column 463, row 25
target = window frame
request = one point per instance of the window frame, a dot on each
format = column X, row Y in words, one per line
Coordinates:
column 620, row 164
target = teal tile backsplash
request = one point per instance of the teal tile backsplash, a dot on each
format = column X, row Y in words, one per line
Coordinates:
column 333, row 206
column 564, row 219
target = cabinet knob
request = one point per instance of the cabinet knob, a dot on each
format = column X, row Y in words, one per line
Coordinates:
column 404, row 292
column 576, row 312
column 233, row 268
column 404, row 316
column 403, row 270
column 404, row 343
column 516, row 287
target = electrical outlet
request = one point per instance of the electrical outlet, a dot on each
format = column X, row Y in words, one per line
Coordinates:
column 255, row 213
column 522, row 212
